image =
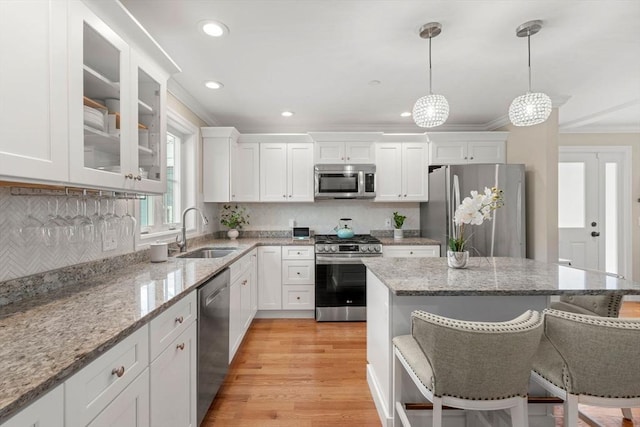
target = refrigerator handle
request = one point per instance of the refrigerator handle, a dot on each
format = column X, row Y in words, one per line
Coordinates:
column 456, row 203
column 519, row 212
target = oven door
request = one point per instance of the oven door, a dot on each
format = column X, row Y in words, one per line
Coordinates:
column 340, row 282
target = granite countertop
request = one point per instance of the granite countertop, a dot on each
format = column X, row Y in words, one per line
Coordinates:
column 408, row 241
column 492, row 276
column 47, row 338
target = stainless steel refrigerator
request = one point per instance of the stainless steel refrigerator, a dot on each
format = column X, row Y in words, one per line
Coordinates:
column 504, row 235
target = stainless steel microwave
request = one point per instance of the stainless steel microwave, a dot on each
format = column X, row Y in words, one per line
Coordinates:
column 345, row 181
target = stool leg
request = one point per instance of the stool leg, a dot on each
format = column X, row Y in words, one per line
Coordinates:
column 437, row 411
column 626, row 413
column 519, row 414
column 571, row 410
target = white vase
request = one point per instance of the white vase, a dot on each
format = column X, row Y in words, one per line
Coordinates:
column 457, row 259
column 397, row 233
column 233, row 234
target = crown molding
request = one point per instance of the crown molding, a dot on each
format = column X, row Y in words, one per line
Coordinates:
column 190, row 102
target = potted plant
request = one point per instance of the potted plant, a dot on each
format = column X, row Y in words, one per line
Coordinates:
column 473, row 210
column 233, row 218
column 398, row 222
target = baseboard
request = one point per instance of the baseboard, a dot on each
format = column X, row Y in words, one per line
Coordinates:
column 385, row 419
column 285, row 314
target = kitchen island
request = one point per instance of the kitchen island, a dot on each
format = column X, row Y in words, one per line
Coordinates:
column 489, row 289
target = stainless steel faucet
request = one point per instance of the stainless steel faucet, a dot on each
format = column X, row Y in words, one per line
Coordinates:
column 182, row 244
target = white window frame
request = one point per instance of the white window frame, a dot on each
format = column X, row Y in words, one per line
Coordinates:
column 190, row 168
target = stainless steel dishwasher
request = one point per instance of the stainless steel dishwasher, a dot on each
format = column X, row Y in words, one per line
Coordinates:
column 213, row 339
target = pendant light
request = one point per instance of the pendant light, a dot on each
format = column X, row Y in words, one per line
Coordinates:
column 531, row 108
column 431, row 110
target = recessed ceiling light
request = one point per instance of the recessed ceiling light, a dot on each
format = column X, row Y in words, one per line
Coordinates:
column 374, row 82
column 287, row 113
column 213, row 85
column 405, row 114
column 214, row 28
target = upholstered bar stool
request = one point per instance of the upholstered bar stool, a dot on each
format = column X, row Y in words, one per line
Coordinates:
column 606, row 305
column 467, row 365
column 591, row 360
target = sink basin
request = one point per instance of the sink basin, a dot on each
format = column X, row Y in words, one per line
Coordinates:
column 209, row 253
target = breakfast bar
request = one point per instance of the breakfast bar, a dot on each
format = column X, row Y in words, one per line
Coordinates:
column 489, row 289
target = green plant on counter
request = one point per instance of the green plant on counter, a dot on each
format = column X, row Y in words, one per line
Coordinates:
column 234, row 217
column 398, row 220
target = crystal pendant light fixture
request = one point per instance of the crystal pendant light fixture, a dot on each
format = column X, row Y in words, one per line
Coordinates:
column 431, row 110
column 531, row 108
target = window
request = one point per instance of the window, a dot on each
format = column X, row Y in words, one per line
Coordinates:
column 161, row 215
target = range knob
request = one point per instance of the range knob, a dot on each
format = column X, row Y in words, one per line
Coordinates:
column 377, row 248
column 334, row 249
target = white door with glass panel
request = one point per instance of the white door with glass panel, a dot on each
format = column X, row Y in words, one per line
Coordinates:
column 589, row 210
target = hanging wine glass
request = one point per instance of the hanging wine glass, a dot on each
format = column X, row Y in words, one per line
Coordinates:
column 82, row 223
column 127, row 222
column 55, row 228
column 30, row 227
column 112, row 221
column 98, row 220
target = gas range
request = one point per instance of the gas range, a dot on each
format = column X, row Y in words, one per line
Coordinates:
column 360, row 244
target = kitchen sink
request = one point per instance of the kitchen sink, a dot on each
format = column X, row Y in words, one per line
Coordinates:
column 209, row 253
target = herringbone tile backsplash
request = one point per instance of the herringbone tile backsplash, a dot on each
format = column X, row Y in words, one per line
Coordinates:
column 22, row 255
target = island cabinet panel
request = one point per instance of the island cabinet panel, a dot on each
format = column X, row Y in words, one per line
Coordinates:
column 91, row 390
column 411, row 251
column 48, row 411
column 34, row 100
column 173, row 382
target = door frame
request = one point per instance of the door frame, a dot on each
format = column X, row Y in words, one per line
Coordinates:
column 625, row 205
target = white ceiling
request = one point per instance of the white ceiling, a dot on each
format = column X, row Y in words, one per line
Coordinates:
column 317, row 57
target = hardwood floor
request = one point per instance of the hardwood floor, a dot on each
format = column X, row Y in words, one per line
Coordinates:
column 300, row 373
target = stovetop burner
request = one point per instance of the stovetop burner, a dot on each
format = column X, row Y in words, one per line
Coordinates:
column 357, row 239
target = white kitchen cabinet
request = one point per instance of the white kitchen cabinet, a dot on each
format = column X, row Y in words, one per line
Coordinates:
column 34, row 99
column 217, row 143
column 171, row 323
column 125, row 148
column 286, row 172
column 92, row 389
column 173, row 380
column 401, row 172
column 410, row 251
column 245, row 172
column 450, row 148
column 241, row 311
column 47, row 411
column 298, row 278
column 130, row 408
column 269, row 278
column 353, row 152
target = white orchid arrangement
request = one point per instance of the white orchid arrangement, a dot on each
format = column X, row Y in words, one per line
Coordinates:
column 473, row 211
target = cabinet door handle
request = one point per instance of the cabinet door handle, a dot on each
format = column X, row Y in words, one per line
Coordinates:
column 180, row 319
column 180, row 346
column 119, row 372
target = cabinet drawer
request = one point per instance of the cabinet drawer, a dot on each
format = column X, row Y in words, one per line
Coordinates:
column 411, row 251
column 91, row 390
column 298, row 272
column 297, row 252
column 168, row 325
column 238, row 267
column 298, row 297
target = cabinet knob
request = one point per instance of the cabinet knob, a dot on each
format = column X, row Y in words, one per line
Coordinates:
column 410, row 252
column 118, row 371
column 139, row 178
column 348, row 158
column 405, row 195
column 129, row 176
column 180, row 346
column 399, row 195
column 465, row 157
column 471, row 157
column 298, row 273
column 179, row 319
column 298, row 298
column 341, row 158
column 289, row 195
column 244, row 282
column 284, row 195
column 298, row 253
